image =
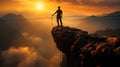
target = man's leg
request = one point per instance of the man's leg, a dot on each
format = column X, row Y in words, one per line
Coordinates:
column 58, row 21
column 61, row 21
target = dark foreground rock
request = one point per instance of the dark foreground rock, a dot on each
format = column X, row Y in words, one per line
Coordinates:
column 84, row 50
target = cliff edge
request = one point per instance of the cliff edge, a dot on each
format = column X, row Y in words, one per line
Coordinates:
column 85, row 50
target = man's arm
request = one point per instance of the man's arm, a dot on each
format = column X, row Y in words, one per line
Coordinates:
column 54, row 13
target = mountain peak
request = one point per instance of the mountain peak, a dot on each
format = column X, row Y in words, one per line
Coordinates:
column 12, row 16
column 116, row 13
column 16, row 21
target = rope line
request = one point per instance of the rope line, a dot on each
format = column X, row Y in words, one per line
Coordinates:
column 52, row 18
column 46, row 18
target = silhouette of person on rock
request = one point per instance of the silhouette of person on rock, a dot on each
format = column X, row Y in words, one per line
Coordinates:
column 59, row 16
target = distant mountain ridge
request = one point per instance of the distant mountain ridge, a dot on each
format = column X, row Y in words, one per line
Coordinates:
column 108, row 17
column 18, row 22
column 10, row 31
column 108, row 21
column 117, row 13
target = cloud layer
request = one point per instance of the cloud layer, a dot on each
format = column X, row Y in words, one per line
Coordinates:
column 23, row 57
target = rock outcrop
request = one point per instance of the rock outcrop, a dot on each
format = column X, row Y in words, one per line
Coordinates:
column 85, row 50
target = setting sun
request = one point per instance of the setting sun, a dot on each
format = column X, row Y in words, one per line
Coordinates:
column 39, row 6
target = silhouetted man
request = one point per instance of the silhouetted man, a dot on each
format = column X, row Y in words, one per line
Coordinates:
column 59, row 15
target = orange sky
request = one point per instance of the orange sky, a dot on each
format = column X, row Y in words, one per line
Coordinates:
column 69, row 7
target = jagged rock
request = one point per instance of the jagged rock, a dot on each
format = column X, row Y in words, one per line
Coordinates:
column 66, row 37
column 84, row 50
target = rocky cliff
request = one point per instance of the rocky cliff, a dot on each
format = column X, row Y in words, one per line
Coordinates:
column 85, row 50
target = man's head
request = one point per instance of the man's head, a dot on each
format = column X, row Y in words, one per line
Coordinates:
column 58, row 7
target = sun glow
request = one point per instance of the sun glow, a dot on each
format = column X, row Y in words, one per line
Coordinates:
column 39, row 6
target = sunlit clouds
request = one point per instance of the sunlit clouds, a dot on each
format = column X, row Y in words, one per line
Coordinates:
column 22, row 57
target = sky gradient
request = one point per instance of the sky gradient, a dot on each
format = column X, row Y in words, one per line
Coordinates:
column 79, row 7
